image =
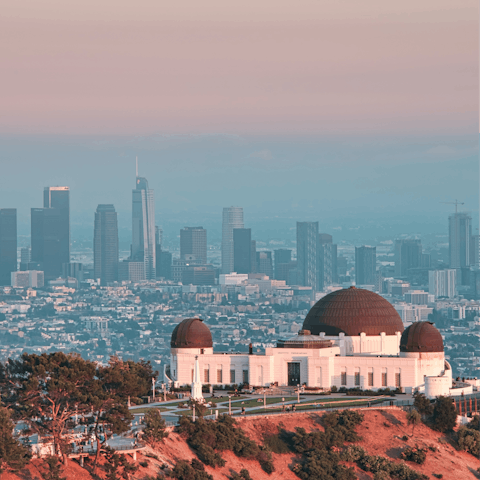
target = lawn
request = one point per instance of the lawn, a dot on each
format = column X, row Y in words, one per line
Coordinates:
column 254, row 402
column 188, row 413
column 145, row 409
column 321, row 406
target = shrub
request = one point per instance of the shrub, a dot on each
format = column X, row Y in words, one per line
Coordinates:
column 381, row 476
column 333, row 389
column 474, row 424
column 423, row 405
column 54, row 469
column 323, row 465
column 206, row 436
column 305, row 442
column 353, row 453
column 413, row 418
column 381, row 467
column 143, row 464
column 208, row 456
column 184, row 471
column 469, row 440
column 405, row 438
column 151, row 455
column 276, row 444
column 437, row 475
column 243, row 475
column 197, row 465
column 444, row 414
column 415, row 454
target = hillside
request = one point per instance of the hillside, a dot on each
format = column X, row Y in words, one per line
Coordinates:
column 381, row 432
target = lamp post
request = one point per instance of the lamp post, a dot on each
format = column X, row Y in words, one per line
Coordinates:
column 153, row 389
column 264, row 400
column 298, row 393
column 229, row 404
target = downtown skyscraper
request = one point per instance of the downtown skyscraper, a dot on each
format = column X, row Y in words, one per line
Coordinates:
column 460, row 233
column 8, row 244
column 105, row 244
column 143, row 227
column 232, row 218
column 193, row 241
column 50, row 232
column 365, row 265
column 307, row 253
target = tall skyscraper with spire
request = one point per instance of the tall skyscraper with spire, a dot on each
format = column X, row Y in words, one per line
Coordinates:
column 143, row 226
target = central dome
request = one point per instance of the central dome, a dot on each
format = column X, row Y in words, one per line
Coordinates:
column 191, row 333
column 353, row 311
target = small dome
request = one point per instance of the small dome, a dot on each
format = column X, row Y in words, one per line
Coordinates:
column 191, row 333
column 421, row 337
column 353, row 311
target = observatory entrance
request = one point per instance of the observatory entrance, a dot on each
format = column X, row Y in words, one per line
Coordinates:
column 293, row 374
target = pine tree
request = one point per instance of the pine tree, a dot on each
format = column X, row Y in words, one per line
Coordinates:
column 54, row 469
column 444, row 414
column 154, row 432
column 13, row 455
column 117, row 466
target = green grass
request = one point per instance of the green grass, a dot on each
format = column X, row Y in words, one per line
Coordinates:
column 321, row 406
column 188, row 413
column 145, row 409
column 254, row 402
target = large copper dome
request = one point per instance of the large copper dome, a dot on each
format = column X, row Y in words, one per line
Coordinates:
column 421, row 337
column 191, row 333
column 353, row 311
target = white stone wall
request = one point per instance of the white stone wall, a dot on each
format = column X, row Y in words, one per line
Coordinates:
column 318, row 367
column 363, row 344
column 437, row 386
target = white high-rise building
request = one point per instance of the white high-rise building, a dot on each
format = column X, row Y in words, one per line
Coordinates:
column 28, row 279
column 143, row 227
column 442, row 283
column 232, row 218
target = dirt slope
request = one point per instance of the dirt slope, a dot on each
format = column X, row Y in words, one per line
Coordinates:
column 381, row 432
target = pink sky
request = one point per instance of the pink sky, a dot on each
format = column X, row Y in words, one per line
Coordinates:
column 264, row 67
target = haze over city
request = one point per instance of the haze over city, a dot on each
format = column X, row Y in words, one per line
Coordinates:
column 213, row 210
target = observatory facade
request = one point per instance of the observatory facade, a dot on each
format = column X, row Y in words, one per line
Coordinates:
column 351, row 338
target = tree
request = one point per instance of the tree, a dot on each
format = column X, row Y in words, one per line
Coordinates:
column 423, row 405
column 13, row 455
column 413, row 419
column 154, row 432
column 109, row 407
column 131, row 379
column 52, row 390
column 54, row 469
column 117, row 466
column 444, row 414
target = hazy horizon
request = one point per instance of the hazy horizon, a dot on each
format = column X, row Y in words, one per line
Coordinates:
column 346, row 114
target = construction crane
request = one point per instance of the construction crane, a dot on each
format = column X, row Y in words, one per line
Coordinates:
column 456, row 203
